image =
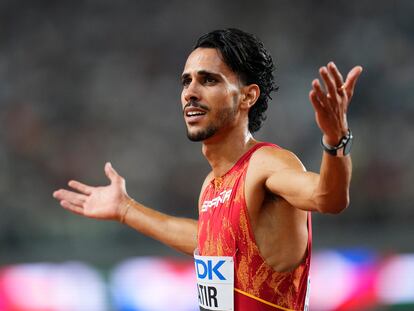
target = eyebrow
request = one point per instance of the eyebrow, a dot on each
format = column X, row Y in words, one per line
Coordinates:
column 202, row 73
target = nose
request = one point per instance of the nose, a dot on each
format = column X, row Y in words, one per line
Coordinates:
column 191, row 92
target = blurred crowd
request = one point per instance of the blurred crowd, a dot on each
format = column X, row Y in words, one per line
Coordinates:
column 85, row 82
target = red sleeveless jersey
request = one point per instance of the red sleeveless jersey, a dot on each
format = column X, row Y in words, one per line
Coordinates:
column 224, row 230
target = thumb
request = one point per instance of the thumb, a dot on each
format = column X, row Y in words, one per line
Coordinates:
column 351, row 80
column 110, row 172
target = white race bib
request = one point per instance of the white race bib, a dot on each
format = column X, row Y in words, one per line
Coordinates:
column 215, row 282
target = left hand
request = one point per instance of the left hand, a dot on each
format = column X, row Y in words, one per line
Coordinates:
column 331, row 104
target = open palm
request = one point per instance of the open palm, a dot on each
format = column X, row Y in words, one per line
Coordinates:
column 331, row 105
column 95, row 202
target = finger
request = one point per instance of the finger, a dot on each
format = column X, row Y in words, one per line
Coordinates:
column 351, row 80
column 58, row 194
column 82, row 188
column 70, row 196
column 317, row 105
column 339, row 81
column 110, row 172
column 328, row 82
column 319, row 93
column 72, row 207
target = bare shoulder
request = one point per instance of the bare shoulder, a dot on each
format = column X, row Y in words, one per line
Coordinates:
column 268, row 160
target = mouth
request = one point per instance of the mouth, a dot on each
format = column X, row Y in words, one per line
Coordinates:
column 193, row 115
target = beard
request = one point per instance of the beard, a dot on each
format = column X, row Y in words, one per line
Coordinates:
column 225, row 118
column 202, row 134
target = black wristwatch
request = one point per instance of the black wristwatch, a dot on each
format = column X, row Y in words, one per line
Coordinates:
column 342, row 149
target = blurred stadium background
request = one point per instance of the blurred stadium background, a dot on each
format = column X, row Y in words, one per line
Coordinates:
column 84, row 82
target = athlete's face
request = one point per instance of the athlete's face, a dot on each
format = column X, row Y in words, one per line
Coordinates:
column 210, row 95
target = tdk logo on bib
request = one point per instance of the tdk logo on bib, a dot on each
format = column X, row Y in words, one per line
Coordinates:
column 215, row 282
column 205, row 269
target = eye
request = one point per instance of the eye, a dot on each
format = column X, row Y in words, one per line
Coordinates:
column 186, row 82
column 210, row 80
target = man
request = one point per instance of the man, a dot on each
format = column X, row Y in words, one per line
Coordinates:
column 252, row 243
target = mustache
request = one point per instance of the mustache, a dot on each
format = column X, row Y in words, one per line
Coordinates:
column 195, row 104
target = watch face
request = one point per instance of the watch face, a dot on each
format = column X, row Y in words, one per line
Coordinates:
column 348, row 145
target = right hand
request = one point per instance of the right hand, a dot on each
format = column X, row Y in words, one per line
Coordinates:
column 96, row 202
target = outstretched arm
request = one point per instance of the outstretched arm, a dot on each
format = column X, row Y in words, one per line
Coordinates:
column 113, row 203
column 327, row 192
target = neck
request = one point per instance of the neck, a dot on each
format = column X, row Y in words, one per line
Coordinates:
column 223, row 151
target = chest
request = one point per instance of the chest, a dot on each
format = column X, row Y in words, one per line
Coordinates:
column 222, row 216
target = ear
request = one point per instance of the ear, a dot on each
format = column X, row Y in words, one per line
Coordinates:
column 249, row 95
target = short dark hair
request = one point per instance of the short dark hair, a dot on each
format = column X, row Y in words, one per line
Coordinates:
column 245, row 54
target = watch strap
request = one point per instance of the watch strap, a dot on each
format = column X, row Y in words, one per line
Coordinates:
column 342, row 149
